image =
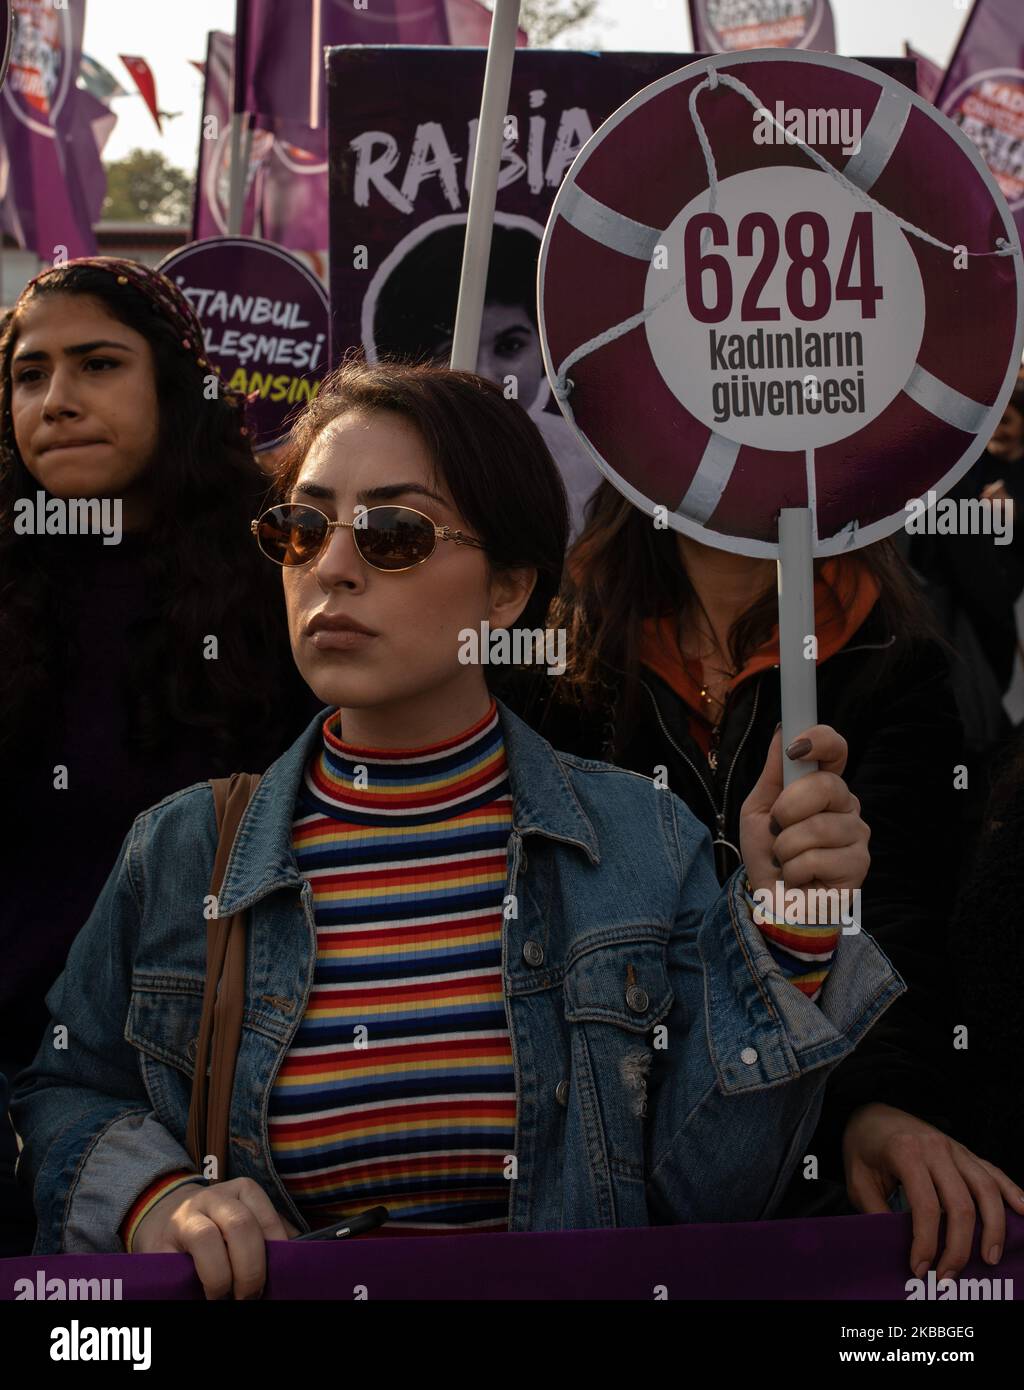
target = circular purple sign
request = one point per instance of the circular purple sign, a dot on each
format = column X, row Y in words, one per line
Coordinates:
column 832, row 324
column 729, row 26
column 265, row 322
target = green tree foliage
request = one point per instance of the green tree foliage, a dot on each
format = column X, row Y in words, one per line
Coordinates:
column 145, row 187
column 545, row 20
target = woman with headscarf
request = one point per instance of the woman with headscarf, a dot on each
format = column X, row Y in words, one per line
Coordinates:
column 144, row 645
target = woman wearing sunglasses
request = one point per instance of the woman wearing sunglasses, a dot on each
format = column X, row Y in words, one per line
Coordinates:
column 489, row 987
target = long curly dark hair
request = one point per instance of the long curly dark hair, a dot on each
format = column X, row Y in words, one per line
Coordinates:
column 202, row 570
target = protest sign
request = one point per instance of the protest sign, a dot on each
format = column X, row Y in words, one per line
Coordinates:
column 727, row 26
column 264, row 318
column 798, row 316
column 983, row 92
column 403, row 128
column 402, row 133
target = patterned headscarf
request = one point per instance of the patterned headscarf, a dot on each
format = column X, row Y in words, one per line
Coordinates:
column 165, row 297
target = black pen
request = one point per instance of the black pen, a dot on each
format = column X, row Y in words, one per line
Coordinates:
column 353, row 1226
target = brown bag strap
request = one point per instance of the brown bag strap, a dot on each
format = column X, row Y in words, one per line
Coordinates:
column 220, row 1027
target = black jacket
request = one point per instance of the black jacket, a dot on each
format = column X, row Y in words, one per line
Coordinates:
column 987, row 950
column 894, row 706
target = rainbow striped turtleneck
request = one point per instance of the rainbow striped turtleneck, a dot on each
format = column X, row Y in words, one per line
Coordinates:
column 398, row 1089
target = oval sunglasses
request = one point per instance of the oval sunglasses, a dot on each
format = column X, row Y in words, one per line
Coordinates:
column 387, row 538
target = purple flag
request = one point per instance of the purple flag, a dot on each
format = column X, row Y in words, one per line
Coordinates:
column 929, row 74
column 286, row 183
column 284, row 46
column 284, row 56
column 983, row 92
column 50, row 171
column 6, row 35
column 210, row 203
column 727, row 26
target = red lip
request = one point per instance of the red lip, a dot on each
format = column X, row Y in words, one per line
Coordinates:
column 336, row 622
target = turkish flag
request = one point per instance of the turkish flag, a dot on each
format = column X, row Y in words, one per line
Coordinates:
column 144, row 80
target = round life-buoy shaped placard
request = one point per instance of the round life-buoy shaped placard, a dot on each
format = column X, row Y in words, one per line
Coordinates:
column 817, row 305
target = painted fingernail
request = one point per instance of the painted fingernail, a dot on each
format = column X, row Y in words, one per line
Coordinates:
column 799, row 748
column 774, row 826
column 994, row 1253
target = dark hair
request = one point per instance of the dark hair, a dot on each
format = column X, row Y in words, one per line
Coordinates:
column 1016, row 400
column 202, row 568
column 416, row 305
column 489, row 452
column 622, row 570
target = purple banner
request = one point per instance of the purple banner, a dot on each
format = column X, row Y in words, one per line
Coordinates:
column 50, row 172
column 6, row 36
column 727, row 26
column 838, row 1258
column 983, row 92
column 286, row 184
column 264, row 317
column 929, row 74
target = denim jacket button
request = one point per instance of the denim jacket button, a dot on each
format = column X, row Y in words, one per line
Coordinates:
column 533, row 953
column 637, row 999
column 562, row 1093
column 749, row 1055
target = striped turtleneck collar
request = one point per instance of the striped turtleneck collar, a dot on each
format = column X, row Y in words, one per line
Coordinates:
column 410, row 785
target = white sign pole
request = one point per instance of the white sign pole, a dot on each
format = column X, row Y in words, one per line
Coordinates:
column 797, row 654
column 484, row 188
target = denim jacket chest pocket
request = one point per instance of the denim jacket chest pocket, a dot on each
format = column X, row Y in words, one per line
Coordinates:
column 163, row 1027
column 617, row 989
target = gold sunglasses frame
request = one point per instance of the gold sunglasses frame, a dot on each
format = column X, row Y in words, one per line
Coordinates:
column 441, row 533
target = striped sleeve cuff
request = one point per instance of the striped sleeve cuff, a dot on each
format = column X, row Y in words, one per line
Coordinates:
column 145, row 1203
column 802, row 952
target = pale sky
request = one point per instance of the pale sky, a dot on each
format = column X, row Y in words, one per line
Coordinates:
column 168, row 35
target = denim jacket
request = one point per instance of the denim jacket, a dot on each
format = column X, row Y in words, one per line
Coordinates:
column 665, row 1070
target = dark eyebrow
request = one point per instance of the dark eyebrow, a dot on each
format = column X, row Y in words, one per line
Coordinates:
column 385, row 493
column 78, row 351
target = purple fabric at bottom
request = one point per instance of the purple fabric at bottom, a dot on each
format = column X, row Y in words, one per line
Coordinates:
column 846, row 1257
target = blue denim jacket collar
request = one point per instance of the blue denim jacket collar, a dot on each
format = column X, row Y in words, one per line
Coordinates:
column 263, row 860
